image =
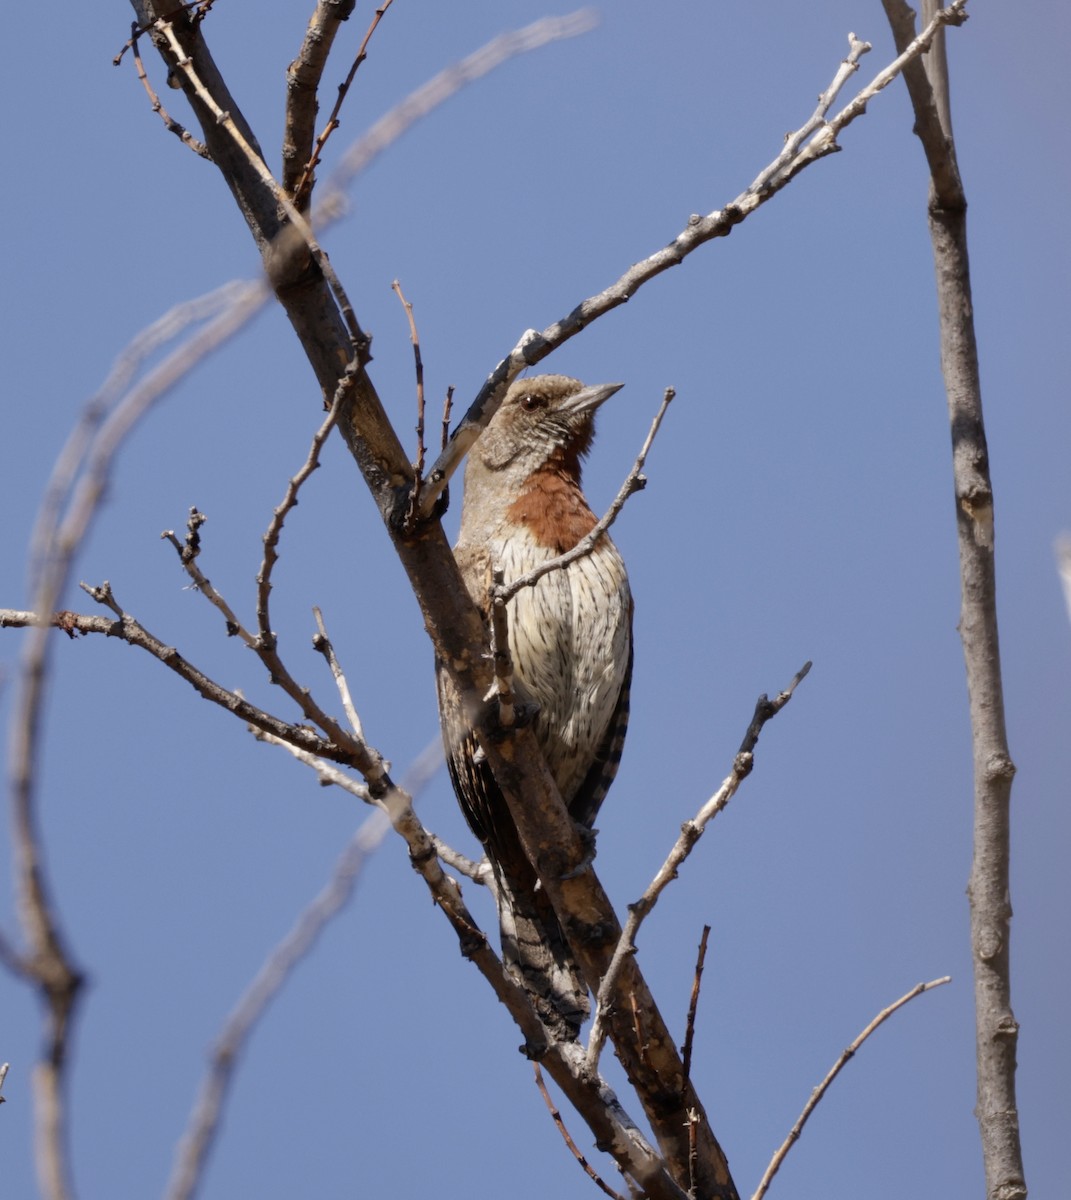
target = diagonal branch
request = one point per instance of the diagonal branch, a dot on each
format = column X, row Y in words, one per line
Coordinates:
column 834, row 1071
column 691, row 832
column 815, row 140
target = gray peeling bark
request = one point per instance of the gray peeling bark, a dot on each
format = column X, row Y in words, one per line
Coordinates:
column 693, row 1160
column 988, row 889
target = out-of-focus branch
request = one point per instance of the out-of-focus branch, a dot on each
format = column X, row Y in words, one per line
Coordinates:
column 1062, row 550
column 203, row 1126
column 989, row 888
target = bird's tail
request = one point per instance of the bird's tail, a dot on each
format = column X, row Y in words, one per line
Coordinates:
column 535, row 952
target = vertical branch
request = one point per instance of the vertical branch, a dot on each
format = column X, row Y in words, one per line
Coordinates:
column 988, row 889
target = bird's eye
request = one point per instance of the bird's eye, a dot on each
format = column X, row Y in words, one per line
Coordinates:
column 532, row 403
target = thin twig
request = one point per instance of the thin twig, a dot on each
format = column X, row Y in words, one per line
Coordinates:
column 414, row 338
column 180, row 131
column 418, row 465
column 128, row 630
column 693, row 1151
column 448, row 404
column 503, row 660
column 322, row 643
column 556, row 1116
column 693, row 1004
column 372, row 766
column 691, row 832
column 188, row 551
column 635, row 481
column 835, row 1070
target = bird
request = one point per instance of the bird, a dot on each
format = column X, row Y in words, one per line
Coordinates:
column 570, row 641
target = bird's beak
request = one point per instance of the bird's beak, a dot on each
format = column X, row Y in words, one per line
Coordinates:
column 588, row 399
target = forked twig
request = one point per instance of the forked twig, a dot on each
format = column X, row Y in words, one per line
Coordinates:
column 835, row 1070
column 304, row 184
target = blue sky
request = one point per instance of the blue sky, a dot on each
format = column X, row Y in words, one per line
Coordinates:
column 799, row 507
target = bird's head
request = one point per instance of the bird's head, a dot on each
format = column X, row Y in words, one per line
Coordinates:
column 541, row 418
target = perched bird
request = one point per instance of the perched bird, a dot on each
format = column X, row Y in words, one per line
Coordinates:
column 570, row 639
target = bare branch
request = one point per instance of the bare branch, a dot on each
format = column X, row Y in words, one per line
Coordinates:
column 253, row 157
column 418, row 465
column 691, row 832
column 533, row 346
column 835, row 1070
column 188, row 551
column 448, row 403
column 303, row 78
column 289, row 501
column 478, row 872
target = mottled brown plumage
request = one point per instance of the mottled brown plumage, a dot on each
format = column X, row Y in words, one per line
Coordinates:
column 571, row 645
